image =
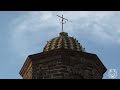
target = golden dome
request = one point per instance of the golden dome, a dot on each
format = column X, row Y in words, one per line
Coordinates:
column 63, row 41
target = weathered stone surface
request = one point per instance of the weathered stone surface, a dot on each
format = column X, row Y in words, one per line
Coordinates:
column 64, row 64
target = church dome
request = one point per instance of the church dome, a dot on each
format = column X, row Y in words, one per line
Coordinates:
column 63, row 41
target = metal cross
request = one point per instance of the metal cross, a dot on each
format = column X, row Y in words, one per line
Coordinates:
column 63, row 22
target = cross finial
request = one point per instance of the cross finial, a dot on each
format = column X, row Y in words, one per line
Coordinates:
column 63, row 22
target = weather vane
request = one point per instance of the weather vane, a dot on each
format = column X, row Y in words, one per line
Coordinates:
column 63, row 21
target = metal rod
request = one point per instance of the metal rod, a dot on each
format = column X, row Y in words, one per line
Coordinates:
column 62, row 21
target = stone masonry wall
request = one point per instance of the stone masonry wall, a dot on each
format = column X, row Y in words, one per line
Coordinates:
column 66, row 68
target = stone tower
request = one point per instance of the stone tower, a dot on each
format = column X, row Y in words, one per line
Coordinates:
column 63, row 57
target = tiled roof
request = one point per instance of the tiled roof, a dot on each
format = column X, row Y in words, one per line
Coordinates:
column 63, row 41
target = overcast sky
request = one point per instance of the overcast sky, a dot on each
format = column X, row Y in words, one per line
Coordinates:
column 23, row 33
